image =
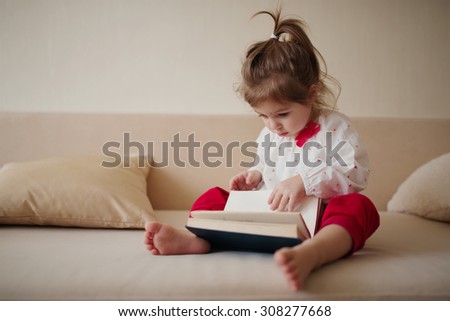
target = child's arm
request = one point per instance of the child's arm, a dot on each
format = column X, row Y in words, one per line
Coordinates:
column 246, row 181
column 287, row 194
column 340, row 168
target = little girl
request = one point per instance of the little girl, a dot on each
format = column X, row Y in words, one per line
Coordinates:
column 306, row 148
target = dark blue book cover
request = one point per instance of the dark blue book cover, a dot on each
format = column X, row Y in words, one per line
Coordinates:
column 222, row 240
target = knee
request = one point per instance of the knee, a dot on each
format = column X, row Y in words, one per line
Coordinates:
column 213, row 199
column 357, row 212
column 355, row 203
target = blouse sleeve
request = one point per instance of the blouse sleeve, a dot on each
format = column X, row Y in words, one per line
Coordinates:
column 336, row 162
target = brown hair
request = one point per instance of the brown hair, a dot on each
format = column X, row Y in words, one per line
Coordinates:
column 285, row 66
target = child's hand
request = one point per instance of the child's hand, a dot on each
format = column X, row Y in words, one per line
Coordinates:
column 287, row 194
column 246, row 181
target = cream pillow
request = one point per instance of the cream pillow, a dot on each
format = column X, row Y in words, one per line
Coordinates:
column 75, row 192
column 426, row 192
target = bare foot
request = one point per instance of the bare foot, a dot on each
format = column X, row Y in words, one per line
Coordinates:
column 297, row 263
column 163, row 239
column 329, row 244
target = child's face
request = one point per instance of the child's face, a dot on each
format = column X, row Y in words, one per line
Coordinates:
column 286, row 119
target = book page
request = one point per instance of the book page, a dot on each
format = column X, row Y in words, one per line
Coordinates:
column 309, row 210
column 280, row 230
column 256, row 201
column 248, row 201
column 245, row 216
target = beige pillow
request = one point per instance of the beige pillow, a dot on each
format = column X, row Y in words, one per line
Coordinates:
column 75, row 192
column 426, row 192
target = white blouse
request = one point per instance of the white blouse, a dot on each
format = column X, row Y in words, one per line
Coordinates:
column 332, row 162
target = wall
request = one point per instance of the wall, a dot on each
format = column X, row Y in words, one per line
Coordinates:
column 180, row 56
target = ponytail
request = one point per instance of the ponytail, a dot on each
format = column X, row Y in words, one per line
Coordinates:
column 285, row 66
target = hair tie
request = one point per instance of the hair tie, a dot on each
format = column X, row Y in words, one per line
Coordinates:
column 274, row 37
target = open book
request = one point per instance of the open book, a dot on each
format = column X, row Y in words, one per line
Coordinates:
column 247, row 223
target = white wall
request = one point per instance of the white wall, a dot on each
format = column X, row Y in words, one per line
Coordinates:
column 183, row 56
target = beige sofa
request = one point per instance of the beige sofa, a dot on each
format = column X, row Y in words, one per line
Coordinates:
column 408, row 258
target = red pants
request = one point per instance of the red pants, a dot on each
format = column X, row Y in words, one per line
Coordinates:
column 354, row 212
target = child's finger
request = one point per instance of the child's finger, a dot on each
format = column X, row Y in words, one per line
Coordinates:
column 237, row 180
column 291, row 205
column 245, row 186
column 274, row 204
column 238, row 186
column 233, row 183
column 283, row 203
column 294, row 201
column 271, row 197
column 253, row 180
column 249, row 180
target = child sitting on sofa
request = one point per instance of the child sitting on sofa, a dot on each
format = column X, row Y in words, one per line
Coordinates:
column 283, row 82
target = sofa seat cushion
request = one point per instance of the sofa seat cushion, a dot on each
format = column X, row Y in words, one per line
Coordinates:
column 408, row 257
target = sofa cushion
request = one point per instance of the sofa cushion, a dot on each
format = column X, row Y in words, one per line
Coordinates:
column 75, row 192
column 426, row 191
